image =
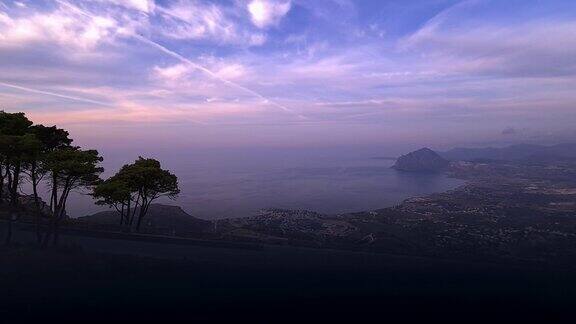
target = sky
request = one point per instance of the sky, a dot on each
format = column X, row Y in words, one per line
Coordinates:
column 290, row 73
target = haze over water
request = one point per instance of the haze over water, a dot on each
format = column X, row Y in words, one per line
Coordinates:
column 238, row 182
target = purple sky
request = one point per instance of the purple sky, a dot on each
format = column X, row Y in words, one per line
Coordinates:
column 292, row 72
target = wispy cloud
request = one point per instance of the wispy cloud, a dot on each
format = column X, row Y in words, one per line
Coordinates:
column 146, row 6
column 265, row 13
column 218, row 76
column 60, row 27
column 195, row 20
column 54, row 94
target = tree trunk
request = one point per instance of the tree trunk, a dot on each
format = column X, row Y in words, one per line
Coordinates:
column 51, row 235
column 143, row 211
column 38, row 213
column 128, row 222
column 1, row 183
column 53, row 210
column 54, row 195
column 9, row 178
column 58, row 206
column 14, row 185
column 13, row 191
column 61, row 211
column 121, row 216
column 133, row 216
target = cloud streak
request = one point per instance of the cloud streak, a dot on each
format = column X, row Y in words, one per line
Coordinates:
column 54, row 94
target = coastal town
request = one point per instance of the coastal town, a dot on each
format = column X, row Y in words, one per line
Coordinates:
column 513, row 212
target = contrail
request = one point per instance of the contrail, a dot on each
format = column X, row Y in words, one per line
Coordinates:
column 189, row 62
column 214, row 75
column 54, row 94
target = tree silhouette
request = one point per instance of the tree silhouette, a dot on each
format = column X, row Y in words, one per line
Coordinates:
column 69, row 168
column 15, row 145
column 135, row 187
column 49, row 139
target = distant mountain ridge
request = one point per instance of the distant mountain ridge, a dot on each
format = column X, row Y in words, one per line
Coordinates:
column 524, row 152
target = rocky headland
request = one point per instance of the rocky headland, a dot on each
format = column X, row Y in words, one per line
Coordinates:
column 422, row 160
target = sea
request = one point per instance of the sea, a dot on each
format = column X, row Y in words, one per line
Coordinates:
column 226, row 183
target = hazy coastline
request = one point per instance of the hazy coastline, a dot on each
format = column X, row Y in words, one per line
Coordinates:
column 238, row 183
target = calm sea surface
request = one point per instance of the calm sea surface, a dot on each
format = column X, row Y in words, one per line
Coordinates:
column 218, row 184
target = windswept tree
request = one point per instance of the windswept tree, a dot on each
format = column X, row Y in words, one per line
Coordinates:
column 69, row 169
column 151, row 182
column 145, row 180
column 115, row 193
column 49, row 139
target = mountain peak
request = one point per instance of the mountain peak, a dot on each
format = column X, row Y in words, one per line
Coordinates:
column 424, row 159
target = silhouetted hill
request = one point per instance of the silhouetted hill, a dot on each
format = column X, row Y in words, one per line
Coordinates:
column 423, row 159
column 526, row 152
column 159, row 216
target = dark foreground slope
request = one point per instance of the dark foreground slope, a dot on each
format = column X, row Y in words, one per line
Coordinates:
column 99, row 279
column 499, row 249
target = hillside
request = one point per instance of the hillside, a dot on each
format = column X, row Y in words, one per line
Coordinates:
column 171, row 219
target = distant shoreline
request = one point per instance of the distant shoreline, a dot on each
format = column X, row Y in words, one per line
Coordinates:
column 391, row 158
